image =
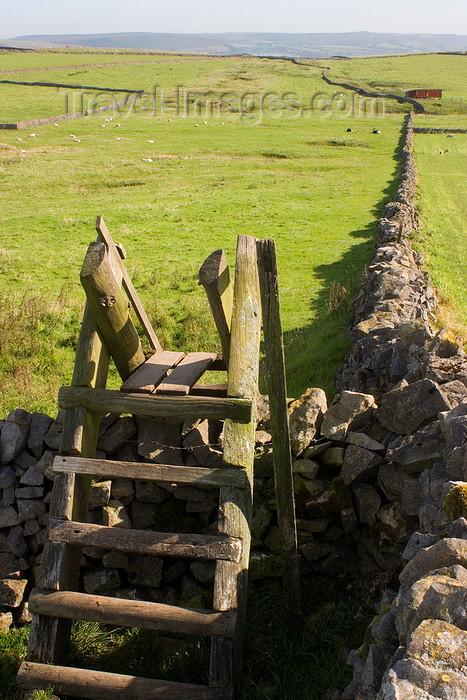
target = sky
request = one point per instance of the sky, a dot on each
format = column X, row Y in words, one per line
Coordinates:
column 197, row 16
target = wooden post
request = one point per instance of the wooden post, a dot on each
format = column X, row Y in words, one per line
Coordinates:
column 215, row 278
column 117, row 252
column 230, row 585
column 110, row 309
column 282, row 455
column 48, row 638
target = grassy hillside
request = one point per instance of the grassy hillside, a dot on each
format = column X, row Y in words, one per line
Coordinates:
column 173, row 189
column 400, row 73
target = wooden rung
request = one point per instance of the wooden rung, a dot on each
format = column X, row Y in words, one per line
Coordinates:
column 132, row 613
column 186, row 373
column 109, row 401
column 147, row 471
column 219, row 389
column 98, row 685
column 152, row 372
column 208, row 547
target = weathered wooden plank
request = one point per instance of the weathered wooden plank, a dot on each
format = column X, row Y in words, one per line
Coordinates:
column 167, row 544
column 99, row 685
column 231, row 579
column 219, row 389
column 146, row 471
column 106, row 400
column 48, row 638
column 105, row 236
column 131, row 613
column 186, row 373
column 152, row 372
column 214, row 276
column 110, row 309
column 282, row 453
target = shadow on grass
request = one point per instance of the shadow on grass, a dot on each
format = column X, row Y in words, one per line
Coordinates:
column 315, row 352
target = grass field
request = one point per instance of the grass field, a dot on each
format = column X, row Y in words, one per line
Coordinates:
column 441, row 162
column 173, row 189
column 400, row 73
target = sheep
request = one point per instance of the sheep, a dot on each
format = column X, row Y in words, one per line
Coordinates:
column 376, row 131
column 150, row 140
column 349, row 129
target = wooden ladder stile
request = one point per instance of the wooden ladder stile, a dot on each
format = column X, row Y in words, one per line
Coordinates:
column 159, row 386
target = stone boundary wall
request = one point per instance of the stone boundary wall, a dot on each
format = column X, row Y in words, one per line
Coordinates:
column 366, row 93
column 28, row 123
column 433, row 130
column 416, row 647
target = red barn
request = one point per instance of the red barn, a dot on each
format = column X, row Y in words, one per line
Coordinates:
column 423, row 94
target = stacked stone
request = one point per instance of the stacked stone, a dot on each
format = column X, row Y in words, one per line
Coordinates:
column 25, row 485
column 391, row 328
column 415, row 649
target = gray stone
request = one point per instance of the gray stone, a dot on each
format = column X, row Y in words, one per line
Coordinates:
column 203, row 506
column 306, row 468
column 422, row 682
column 53, row 436
column 7, row 477
column 189, row 493
column 8, row 498
column 10, row 565
column 115, row 515
column 403, row 410
column 160, row 441
column 348, row 519
column 306, row 488
column 9, row 517
column 115, row 560
column 363, row 440
column 16, row 542
column 333, row 456
column 445, row 553
column 261, row 521
column 414, row 453
column 40, row 424
column 203, row 571
column 32, row 477
column 394, row 524
column 101, row 581
column 314, row 525
column 435, row 597
column 264, row 565
column 29, row 508
column 315, row 550
column 417, row 541
column 122, row 489
column 150, row 492
column 359, row 464
column 44, row 465
column 349, row 411
column 31, row 527
column 305, row 417
column 120, row 432
column 14, row 435
column 367, row 502
column 100, row 494
column 29, row 492
column 145, row 571
column 143, row 515
column 332, row 500
column 384, row 630
column 12, row 591
column 440, row 645
column 199, row 443
column 373, row 671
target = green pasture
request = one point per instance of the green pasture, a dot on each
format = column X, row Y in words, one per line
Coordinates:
column 400, row 73
column 441, row 162
column 174, row 191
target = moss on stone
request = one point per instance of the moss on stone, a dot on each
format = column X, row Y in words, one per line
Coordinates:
column 455, row 505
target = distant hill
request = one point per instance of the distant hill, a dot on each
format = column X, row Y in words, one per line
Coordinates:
column 258, row 44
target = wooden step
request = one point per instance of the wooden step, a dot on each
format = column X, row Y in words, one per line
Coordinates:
column 147, row 471
column 152, row 372
column 207, row 547
column 98, row 685
column 132, row 613
column 186, row 373
column 109, row 401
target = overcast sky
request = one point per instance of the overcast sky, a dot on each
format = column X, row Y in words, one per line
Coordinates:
column 194, row 16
